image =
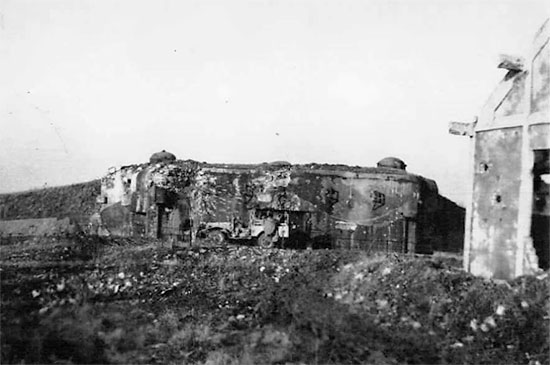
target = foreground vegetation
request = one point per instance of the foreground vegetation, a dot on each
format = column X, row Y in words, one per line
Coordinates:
column 94, row 300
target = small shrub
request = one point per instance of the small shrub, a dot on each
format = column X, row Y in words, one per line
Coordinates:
column 69, row 335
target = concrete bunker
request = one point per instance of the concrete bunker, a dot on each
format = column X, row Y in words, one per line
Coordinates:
column 380, row 208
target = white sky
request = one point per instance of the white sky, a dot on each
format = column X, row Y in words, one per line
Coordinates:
column 85, row 85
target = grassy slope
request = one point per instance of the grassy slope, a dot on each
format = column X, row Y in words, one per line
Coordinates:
column 89, row 300
column 76, row 201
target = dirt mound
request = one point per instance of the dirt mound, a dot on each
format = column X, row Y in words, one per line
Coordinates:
column 97, row 300
column 76, row 201
column 438, row 306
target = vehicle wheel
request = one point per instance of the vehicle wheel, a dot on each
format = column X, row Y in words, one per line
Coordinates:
column 265, row 241
column 217, row 237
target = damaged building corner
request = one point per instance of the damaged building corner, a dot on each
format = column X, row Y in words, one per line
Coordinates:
column 507, row 215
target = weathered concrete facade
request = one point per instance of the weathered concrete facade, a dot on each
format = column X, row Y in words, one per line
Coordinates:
column 507, row 216
column 383, row 208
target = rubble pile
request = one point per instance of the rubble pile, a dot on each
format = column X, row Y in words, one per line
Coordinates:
column 86, row 300
column 446, row 307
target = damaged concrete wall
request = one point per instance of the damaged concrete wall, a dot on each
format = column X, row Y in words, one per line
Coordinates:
column 495, row 202
column 504, row 228
column 342, row 206
column 141, row 200
column 348, row 208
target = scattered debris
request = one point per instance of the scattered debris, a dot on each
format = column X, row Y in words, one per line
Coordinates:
column 246, row 304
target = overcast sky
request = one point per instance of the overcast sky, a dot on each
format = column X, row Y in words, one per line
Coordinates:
column 85, row 85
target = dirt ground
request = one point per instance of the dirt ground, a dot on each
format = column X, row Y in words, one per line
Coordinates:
column 97, row 300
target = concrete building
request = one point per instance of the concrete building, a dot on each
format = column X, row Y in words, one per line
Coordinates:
column 507, row 215
column 383, row 208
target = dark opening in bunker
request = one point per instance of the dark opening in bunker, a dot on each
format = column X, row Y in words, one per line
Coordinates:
column 540, row 218
column 483, row 167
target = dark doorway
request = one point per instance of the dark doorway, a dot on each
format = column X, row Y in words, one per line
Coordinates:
column 540, row 218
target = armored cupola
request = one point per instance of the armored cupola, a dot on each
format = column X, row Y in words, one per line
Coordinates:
column 162, row 156
column 392, row 163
